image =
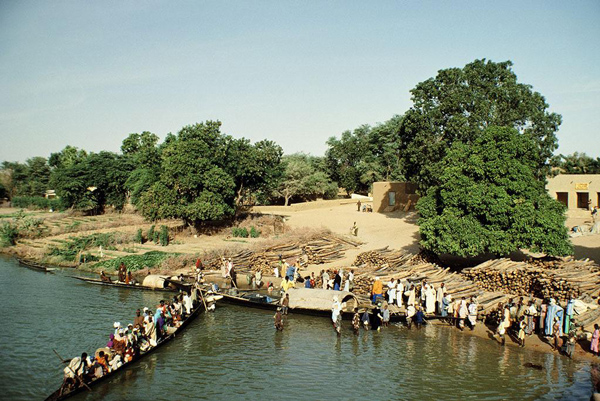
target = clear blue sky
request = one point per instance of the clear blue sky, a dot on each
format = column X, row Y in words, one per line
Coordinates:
column 88, row 73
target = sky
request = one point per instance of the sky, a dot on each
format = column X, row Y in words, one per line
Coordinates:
column 88, row 73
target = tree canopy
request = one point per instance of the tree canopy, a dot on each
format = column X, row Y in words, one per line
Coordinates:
column 459, row 103
column 205, row 174
column 489, row 200
column 576, row 163
column 366, row 155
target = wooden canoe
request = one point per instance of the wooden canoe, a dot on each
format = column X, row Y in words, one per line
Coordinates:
column 36, row 266
column 131, row 286
column 57, row 396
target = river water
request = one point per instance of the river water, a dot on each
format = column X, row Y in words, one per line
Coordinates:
column 235, row 353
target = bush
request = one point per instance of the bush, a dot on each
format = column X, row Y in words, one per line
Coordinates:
column 239, row 232
column 139, row 237
column 164, row 236
column 151, row 233
column 135, row 262
column 254, row 233
column 37, row 202
column 8, row 234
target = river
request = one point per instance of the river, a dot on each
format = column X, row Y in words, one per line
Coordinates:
column 235, row 353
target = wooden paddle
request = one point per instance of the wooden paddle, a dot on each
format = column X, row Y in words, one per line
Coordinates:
column 72, row 371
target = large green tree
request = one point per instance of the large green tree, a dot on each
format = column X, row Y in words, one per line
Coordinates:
column 459, row 103
column 576, row 163
column 303, row 180
column 93, row 181
column 142, row 150
column 367, row 154
column 206, row 174
column 489, row 200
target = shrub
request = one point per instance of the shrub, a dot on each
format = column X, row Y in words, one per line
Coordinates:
column 239, row 232
column 139, row 237
column 135, row 262
column 37, row 202
column 8, row 234
column 151, row 233
column 254, row 233
column 164, row 236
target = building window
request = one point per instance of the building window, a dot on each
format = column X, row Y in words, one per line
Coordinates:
column 391, row 198
column 563, row 197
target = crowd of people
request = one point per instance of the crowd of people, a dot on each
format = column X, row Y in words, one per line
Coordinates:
column 127, row 342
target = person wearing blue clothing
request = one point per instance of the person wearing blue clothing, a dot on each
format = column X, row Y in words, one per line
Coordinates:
column 337, row 281
column 290, row 272
column 307, row 282
column 419, row 317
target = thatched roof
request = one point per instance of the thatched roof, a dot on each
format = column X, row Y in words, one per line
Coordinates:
column 319, row 299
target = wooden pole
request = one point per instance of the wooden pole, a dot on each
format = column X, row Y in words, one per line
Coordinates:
column 74, row 373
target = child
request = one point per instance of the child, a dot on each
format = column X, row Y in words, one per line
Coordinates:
column 571, row 344
column 386, row 315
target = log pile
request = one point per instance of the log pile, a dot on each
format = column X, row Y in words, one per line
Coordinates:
column 561, row 282
column 382, row 259
column 323, row 249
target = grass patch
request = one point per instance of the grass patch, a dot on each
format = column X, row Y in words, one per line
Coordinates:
column 135, row 262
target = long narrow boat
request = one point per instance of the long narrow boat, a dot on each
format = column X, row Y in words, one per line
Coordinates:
column 262, row 301
column 35, row 266
column 57, row 396
column 131, row 286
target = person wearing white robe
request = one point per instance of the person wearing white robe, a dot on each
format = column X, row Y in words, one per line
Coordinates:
column 410, row 312
column 399, row 292
column 150, row 331
column 187, row 304
column 553, row 311
column 440, row 298
column 472, row 310
column 430, row 300
column 410, row 294
column 462, row 313
column 347, row 283
column 391, row 291
column 424, row 289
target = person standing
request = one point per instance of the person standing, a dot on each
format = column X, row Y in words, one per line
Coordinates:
column 522, row 326
column 285, row 304
column 504, row 316
column 377, row 289
column 391, row 292
column 358, row 205
column 595, row 339
column 430, row 300
column 439, row 296
column 399, row 293
column 410, row 312
column 356, row 321
column 554, row 311
column 337, row 281
column 325, row 276
column 419, row 317
column 568, row 316
column 462, row 313
column 336, row 315
column 472, row 309
column 410, row 295
column 278, row 320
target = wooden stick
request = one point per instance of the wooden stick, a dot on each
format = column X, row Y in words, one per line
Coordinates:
column 75, row 374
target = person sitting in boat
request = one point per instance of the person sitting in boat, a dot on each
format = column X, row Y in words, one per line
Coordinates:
column 116, row 362
column 74, row 372
column 129, row 279
column 160, row 323
column 122, row 272
column 104, row 277
column 150, row 331
column 120, row 343
column 187, row 304
column 102, row 360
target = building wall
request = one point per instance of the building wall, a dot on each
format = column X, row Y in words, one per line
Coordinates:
column 575, row 186
column 404, row 192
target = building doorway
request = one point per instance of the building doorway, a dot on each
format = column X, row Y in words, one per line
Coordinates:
column 563, row 197
column 582, row 200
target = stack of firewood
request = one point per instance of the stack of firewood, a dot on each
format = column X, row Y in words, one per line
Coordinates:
column 520, row 278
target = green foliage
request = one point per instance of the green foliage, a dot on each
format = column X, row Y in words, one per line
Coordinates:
column 194, row 185
column 156, row 237
column 37, row 202
column 364, row 156
column 139, row 238
column 301, row 180
column 71, row 248
column 151, row 233
column 458, row 104
column 91, row 182
column 135, row 262
column 25, row 179
column 240, row 232
column 8, row 234
column 164, row 236
column 490, row 201
column 254, row 233
column 577, row 163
